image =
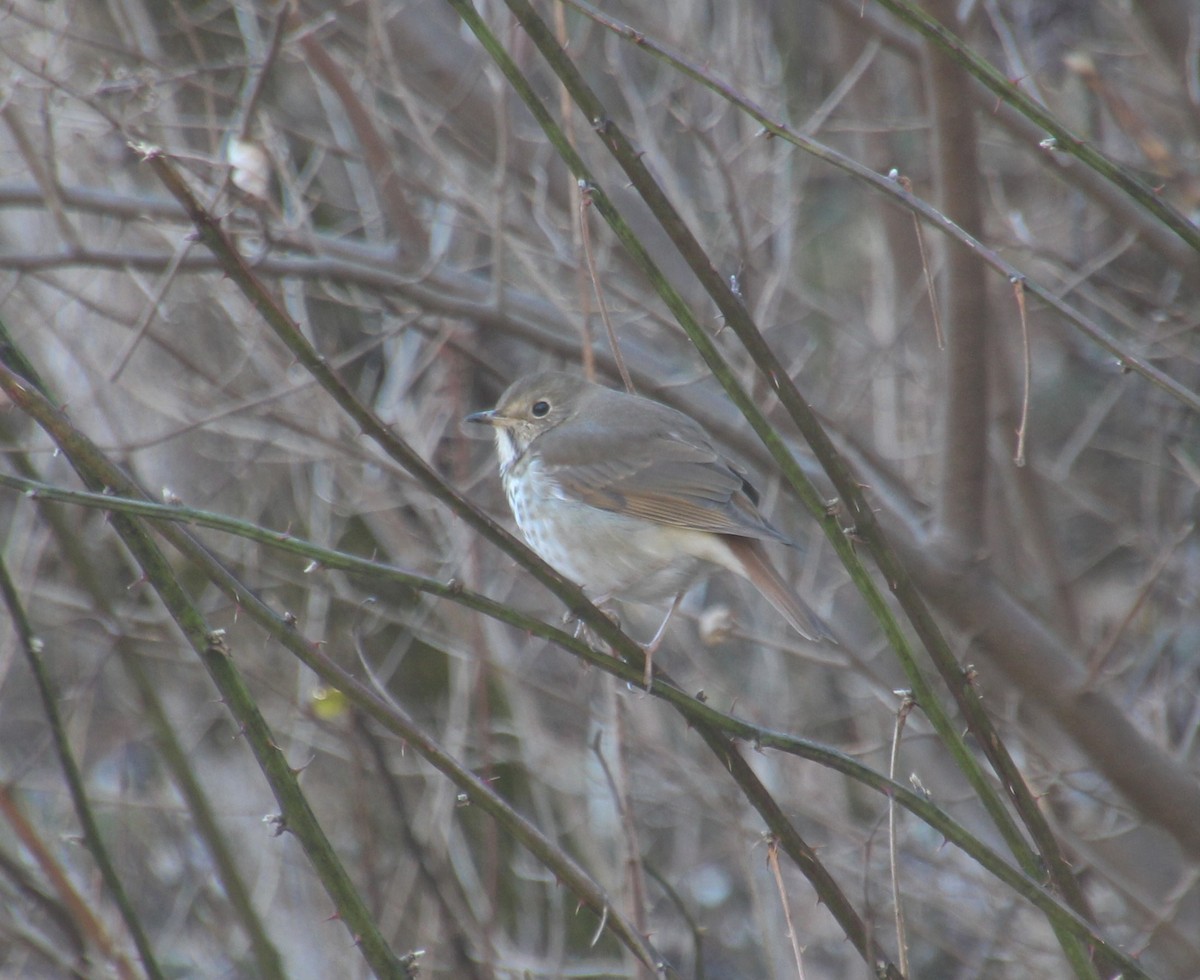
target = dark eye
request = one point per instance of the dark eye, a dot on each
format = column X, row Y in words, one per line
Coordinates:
column 540, row 409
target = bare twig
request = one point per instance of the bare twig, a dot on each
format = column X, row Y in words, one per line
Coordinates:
column 930, row 285
column 619, row 789
column 81, row 913
column 906, row 706
column 1026, row 359
column 797, row 949
column 883, row 183
column 847, row 485
column 695, row 710
column 47, row 182
column 585, row 203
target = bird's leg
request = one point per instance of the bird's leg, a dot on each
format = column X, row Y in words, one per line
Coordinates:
column 656, row 640
column 581, row 628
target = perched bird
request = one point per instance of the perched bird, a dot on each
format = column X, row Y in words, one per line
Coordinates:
column 630, row 499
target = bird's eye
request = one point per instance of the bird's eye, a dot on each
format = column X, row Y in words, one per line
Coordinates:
column 540, row 409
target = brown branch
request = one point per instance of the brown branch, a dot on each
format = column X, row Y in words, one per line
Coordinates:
column 381, row 158
column 83, row 918
column 1008, row 636
column 1028, row 135
column 962, row 485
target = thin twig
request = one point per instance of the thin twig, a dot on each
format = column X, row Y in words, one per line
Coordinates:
column 151, row 308
column 797, row 949
column 1060, row 139
column 380, row 157
column 856, row 506
column 1098, row 657
column 81, row 913
column 930, row 285
column 1018, row 285
column 696, row 711
column 881, row 182
column 259, row 61
column 46, row 180
column 585, row 203
column 619, row 790
column 579, row 227
column 906, row 705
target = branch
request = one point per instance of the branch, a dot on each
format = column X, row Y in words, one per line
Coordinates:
column 81, row 915
column 215, row 655
column 864, row 522
column 469, row 296
column 962, row 484
column 698, row 713
column 1060, row 139
column 894, row 190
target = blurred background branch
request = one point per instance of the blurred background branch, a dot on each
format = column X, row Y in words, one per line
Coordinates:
column 402, row 208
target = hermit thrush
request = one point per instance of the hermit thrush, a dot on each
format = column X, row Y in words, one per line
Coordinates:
column 629, row 498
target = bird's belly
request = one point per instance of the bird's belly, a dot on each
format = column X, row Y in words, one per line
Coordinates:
column 612, row 554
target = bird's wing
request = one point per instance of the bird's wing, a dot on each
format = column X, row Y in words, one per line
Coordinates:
column 664, row 469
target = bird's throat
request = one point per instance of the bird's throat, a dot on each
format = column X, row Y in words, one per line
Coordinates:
column 508, row 449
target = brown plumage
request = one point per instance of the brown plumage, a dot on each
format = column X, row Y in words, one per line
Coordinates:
column 628, row 497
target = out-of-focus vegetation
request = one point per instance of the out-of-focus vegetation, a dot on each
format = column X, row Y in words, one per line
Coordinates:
column 387, row 187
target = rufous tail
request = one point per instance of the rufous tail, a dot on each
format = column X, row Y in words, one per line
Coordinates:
column 757, row 568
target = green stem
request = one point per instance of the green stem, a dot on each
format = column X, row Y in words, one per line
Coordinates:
column 298, row 818
column 31, row 647
column 860, row 513
column 697, row 713
column 892, row 189
column 288, row 332
column 1059, row 138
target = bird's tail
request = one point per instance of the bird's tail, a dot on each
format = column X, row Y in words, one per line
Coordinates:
column 757, row 568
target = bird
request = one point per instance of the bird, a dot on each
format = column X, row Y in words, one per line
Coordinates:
column 629, row 498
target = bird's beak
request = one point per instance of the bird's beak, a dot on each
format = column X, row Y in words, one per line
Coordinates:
column 483, row 418
column 491, row 418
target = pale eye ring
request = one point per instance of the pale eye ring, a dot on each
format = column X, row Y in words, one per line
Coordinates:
column 540, row 409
